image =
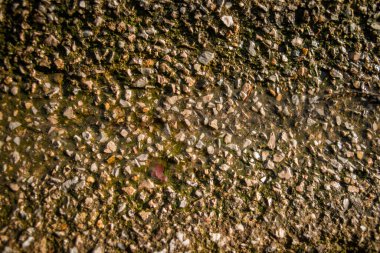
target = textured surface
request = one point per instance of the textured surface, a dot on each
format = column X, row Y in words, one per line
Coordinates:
column 174, row 126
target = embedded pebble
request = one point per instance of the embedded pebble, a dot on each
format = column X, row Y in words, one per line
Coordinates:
column 110, row 148
column 227, row 138
column 353, row 189
column 214, row 124
column 206, row 57
column 278, row 157
column 144, row 215
column 247, row 143
column 336, row 74
column 251, row 49
column 141, row 83
column 285, row 174
column 14, row 125
column 14, row 187
column 297, row 42
column 228, row 20
column 69, row 113
column 210, row 150
column 272, row 141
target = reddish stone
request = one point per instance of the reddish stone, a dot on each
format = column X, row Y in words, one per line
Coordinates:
column 158, row 172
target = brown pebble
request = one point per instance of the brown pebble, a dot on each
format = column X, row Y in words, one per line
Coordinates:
column 353, row 189
column 355, row 56
column 100, row 224
column 144, row 215
column 357, row 84
column 360, row 155
column 59, row 63
column 14, row 187
column 111, row 159
column 90, row 179
column 272, row 92
column 129, row 190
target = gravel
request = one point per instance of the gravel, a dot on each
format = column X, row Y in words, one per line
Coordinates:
column 181, row 126
column 206, row 57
